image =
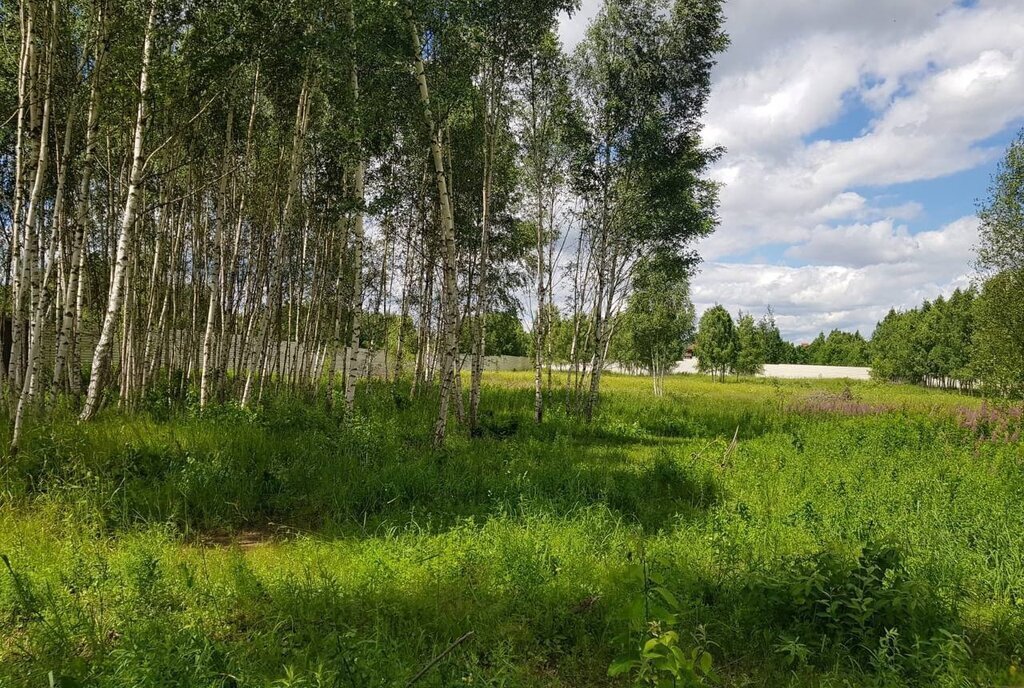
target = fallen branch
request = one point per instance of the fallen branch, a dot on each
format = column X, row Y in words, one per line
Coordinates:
column 732, row 446
column 435, row 660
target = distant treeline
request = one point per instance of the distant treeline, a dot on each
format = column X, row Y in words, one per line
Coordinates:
column 972, row 339
column 837, row 348
column 743, row 347
column 934, row 341
column 975, row 338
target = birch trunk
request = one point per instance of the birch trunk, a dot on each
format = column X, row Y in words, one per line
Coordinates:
column 67, row 327
column 101, row 356
column 24, row 78
column 352, row 372
column 37, row 297
column 539, row 321
column 480, row 322
column 356, row 305
column 450, row 292
column 217, row 273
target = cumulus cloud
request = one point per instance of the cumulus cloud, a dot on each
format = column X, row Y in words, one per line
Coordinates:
column 933, row 81
column 947, row 89
column 929, row 82
column 881, row 242
column 864, row 270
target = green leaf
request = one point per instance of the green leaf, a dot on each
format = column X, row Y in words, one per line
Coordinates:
column 669, row 598
column 650, row 646
column 622, row 665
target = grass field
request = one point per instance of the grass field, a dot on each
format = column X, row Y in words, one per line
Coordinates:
column 852, row 534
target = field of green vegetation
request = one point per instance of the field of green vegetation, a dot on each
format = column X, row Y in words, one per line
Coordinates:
column 752, row 533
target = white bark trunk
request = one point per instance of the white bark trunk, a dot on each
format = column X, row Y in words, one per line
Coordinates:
column 101, row 356
column 450, row 294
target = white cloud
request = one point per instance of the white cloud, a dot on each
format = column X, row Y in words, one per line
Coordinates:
column 932, row 81
column 941, row 83
column 881, row 242
column 935, row 80
column 872, row 268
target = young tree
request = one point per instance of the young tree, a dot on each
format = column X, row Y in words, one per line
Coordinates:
column 545, row 113
column 999, row 327
column 896, row 354
column 511, row 37
column 450, row 297
column 774, row 347
column 643, row 77
column 999, row 335
column 658, row 323
column 717, row 343
column 115, row 298
column 947, row 329
column 750, row 358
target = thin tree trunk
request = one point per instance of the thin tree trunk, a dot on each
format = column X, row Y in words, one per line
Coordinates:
column 38, row 300
column 356, row 306
column 217, row 273
column 101, row 356
column 68, row 324
column 480, row 322
column 450, row 296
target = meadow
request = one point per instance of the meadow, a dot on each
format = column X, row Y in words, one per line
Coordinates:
column 746, row 533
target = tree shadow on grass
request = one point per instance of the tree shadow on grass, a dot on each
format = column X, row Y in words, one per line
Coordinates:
column 629, row 421
column 539, row 611
column 217, row 473
column 447, row 488
column 247, row 480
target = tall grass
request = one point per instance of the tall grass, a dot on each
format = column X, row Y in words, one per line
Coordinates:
column 850, row 535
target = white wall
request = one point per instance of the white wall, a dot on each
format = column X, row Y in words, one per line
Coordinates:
column 792, row 371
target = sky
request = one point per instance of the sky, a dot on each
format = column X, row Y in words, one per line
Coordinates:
column 859, row 136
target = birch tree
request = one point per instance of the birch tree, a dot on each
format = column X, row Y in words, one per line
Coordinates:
column 643, row 74
column 101, row 356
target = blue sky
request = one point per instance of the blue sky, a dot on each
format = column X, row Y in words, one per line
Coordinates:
column 860, row 134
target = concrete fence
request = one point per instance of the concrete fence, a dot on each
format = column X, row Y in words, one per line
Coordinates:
column 523, row 363
column 794, row 371
column 781, row 370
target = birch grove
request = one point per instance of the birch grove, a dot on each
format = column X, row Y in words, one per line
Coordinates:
column 214, row 203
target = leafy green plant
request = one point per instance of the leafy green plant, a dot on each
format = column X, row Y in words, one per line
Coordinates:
column 658, row 656
column 794, row 652
column 863, row 609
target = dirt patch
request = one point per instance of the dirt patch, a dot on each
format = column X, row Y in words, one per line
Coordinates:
column 244, row 539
